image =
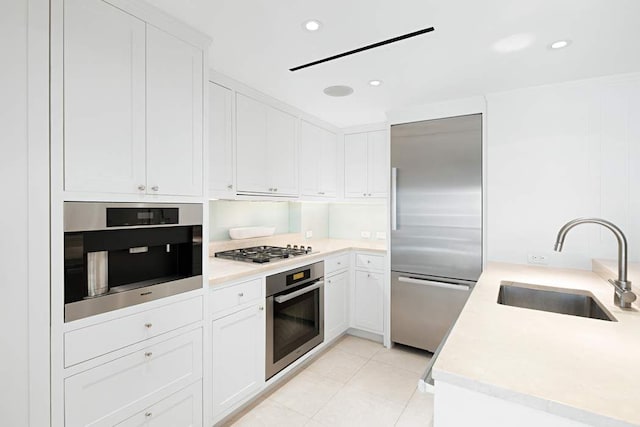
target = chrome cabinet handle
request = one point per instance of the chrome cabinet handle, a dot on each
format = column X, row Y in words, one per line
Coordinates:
column 155, row 188
column 148, row 354
column 148, row 414
column 230, row 186
column 261, row 308
column 369, row 194
column 148, row 325
column 241, row 294
column 364, row 194
column 142, row 187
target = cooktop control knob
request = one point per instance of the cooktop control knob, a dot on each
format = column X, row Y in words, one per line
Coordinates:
column 302, row 247
column 288, row 246
column 308, row 249
column 295, row 247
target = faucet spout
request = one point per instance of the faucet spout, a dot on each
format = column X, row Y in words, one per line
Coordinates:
column 623, row 296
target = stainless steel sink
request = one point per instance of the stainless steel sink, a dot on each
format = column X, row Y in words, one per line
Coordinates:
column 555, row 300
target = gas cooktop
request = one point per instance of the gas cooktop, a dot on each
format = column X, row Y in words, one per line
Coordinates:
column 262, row 254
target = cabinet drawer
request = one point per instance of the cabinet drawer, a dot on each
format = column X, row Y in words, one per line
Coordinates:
column 373, row 262
column 181, row 409
column 336, row 263
column 96, row 340
column 95, row 396
column 236, row 295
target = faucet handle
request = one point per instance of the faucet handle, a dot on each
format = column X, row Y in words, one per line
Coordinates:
column 623, row 295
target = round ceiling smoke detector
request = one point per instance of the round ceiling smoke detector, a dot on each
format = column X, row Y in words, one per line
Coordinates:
column 338, row 90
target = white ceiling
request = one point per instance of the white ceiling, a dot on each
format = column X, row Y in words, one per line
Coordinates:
column 257, row 41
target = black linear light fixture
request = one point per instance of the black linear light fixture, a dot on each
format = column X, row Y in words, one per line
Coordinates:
column 362, row 49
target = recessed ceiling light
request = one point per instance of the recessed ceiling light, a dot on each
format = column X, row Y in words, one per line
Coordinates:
column 312, row 25
column 338, row 90
column 375, row 83
column 560, row 44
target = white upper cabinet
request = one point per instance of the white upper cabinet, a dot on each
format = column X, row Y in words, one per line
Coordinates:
column 221, row 141
column 104, row 98
column 378, row 165
column 133, row 105
column 355, row 165
column 318, row 159
column 266, row 149
column 174, row 115
column 366, row 164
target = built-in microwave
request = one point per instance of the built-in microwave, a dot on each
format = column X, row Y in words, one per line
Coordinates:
column 121, row 254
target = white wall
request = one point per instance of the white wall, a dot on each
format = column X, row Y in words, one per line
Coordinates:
column 225, row 214
column 347, row 220
column 560, row 152
column 24, row 257
column 14, row 374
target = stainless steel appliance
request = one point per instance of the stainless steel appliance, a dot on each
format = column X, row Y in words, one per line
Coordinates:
column 436, row 225
column 262, row 254
column 295, row 315
column 122, row 254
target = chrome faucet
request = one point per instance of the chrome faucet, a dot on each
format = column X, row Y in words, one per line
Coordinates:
column 623, row 297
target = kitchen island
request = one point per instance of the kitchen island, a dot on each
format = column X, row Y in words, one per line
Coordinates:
column 505, row 366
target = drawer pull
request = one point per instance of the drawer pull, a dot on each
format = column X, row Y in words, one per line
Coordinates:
column 339, row 263
column 148, row 414
column 241, row 294
column 148, row 325
column 261, row 308
column 368, row 261
column 148, row 354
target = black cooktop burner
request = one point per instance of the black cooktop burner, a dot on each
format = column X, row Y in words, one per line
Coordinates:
column 262, row 254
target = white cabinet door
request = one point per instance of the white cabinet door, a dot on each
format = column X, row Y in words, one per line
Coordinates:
column 368, row 301
column 251, row 146
column 220, row 140
column 355, row 165
column 318, row 158
column 104, row 102
column 238, row 349
column 336, row 305
column 181, row 409
column 310, row 163
column 174, row 115
column 377, row 164
column 282, row 171
column 327, row 176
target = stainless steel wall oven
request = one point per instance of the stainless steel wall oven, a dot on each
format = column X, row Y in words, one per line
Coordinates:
column 121, row 254
column 295, row 315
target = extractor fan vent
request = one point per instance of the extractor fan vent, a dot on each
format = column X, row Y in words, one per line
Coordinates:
column 362, row 49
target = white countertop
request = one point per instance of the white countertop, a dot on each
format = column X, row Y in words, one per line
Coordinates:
column 579, row 368
column 222, row 270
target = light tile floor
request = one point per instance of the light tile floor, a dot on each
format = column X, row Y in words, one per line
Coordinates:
column 355, row 383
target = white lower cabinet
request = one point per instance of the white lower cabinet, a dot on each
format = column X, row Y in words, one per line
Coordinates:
column 108, row 393
column 238, row 351
column 181, row 409
column 336, row 305
column 368, row 301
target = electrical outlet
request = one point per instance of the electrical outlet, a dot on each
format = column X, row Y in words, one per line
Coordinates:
column 365, row 234
column 308, row 234
column 539, row 259
column 381, row 235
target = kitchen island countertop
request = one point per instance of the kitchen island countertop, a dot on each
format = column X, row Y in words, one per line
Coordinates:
column 578, row 368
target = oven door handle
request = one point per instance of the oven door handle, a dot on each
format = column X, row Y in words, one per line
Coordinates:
column 284, row 298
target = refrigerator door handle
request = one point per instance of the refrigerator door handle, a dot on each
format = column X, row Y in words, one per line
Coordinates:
column 434, row 284
column 394, row 199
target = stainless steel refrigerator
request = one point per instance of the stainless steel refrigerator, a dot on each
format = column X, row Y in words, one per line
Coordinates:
column 436, row 225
